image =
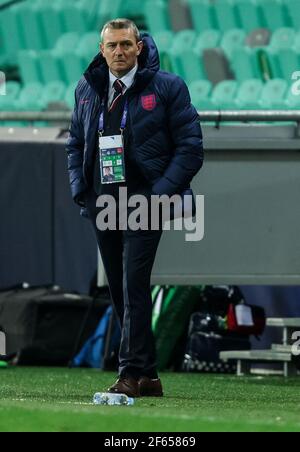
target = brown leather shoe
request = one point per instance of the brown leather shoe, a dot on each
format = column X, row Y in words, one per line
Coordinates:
column 128, row 386
column 150, row 388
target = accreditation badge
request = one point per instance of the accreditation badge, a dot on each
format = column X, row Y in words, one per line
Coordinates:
column 112, row 159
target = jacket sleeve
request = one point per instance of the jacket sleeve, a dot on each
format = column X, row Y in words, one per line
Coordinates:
column 75, row 150
column 184, row 127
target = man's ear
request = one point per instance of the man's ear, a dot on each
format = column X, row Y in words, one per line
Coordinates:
column 101, row 48
column 140, row 47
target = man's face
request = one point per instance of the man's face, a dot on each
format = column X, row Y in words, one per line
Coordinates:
column 120, row 50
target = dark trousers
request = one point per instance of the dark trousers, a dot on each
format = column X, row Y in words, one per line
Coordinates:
column 128, row 258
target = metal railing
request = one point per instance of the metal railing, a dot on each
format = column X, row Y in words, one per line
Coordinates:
column 217, row 116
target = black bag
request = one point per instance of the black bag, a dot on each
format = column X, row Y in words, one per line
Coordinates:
column 217, row 299
column 208, row 336
column 42, row 324
column 203, row 351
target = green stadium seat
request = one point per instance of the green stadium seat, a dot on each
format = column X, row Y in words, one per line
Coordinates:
column 109, row 10
column 73, row 67
column 29, row 66
column 249, row 16
column 74, row 19
column 131, row 8
column 292, row 11
column 232, row 40
column 185, row 61
column 224, row 94
column 272, row 14
column 66, row 43
column 209, row 39
column 245, row 65
column 156, row 15
column 30, row 27
column 7, row 102
column 30, row 98
column 226, row 15
column 203, row 15
column 52, row 26
column 53, row 92
column 283, row 38
column 88, row 46
column 292, row 100
column 50, row 66
column 70, row 96
column 164, row 41
column 248, row 94
column 274, row 94
column 10, row 34
column 288, row 62
column 200, row 92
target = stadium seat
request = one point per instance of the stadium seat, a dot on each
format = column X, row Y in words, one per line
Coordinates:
column 74, row 19
column 272, row 14
column 248, row 15
column 274, row 94
column 67, row 43
column 288, row 62
column 203, row 15
column 226, row 14
column 7, row 102
column 209, row 39
column 164, row 41
column 283, row 38
column 232, row 40
column 292, row 11
column 109, row 9
column 292, row 100
column 248, row 94
column 130, row 8
column 11, row 38
column 216, row 66
column 88, row 46
column 30, row 98
column 29, row 66
column 30, row 27
column 157, row 17
column 53, row 92
column 245, row 65
column 260, row 37
column 200, row 91
column 50, row 66
column 185, row 61
column 224, row 95
column 73, row 67
column 69, row 98
column 52, row 26
column 180, row 15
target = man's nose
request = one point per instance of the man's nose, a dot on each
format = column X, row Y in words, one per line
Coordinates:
column 119, row 50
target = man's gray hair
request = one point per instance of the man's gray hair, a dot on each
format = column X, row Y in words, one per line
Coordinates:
column 121, row 24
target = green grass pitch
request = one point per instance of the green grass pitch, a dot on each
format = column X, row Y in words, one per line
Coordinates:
column 50, row 399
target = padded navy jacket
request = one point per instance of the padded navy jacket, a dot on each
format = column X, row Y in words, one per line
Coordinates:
column 166, row 136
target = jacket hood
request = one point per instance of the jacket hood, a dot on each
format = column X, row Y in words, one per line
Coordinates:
column 97, row 74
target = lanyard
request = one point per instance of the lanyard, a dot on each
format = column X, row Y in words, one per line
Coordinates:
column 123, row 122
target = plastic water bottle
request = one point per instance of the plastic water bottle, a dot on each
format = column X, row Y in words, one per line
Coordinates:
column 107, row 398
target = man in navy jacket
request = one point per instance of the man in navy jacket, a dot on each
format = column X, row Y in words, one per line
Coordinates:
column 163, row 152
